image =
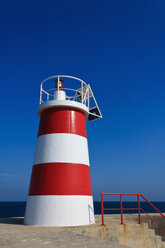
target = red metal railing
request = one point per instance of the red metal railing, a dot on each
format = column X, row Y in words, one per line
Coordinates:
column 139, row 209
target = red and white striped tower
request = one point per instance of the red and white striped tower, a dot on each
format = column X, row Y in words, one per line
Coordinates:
column 60, row 191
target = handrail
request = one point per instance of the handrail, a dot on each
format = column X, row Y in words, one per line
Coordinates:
column 153, row 220
column 62, row 76
column 152, row 206
column 122, row 209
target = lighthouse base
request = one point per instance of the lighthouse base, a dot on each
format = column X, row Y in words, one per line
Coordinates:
column 59, row 210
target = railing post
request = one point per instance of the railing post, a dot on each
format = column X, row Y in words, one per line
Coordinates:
column 121, row 208
column 58, row 84
column 88, row 96
column 139, row 209
column 40, row 93
column 102, row 209
column 82, row 96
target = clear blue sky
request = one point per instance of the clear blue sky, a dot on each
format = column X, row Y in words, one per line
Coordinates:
column 116, row 46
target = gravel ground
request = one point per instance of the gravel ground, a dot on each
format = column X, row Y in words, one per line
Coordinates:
column 15, row 235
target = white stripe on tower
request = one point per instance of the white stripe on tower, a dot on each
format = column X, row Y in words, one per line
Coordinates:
column 61, row 147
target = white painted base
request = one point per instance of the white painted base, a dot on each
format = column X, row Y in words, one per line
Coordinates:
column 59, row 210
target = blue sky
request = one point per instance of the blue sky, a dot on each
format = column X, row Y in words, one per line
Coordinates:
column 117, row 47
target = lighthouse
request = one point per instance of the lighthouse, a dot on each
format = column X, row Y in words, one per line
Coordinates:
column 60, row 191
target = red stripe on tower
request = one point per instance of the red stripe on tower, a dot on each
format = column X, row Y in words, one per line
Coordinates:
column 62, row 120
column 60, row 179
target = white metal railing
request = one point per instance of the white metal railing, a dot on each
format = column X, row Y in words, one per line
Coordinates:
column 79, row 95
column 83, row 94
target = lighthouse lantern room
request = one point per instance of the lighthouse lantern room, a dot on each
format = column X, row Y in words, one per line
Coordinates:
column 60, row 191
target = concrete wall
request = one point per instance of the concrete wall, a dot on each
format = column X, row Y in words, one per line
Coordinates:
column 159, row 219
column 129, row 235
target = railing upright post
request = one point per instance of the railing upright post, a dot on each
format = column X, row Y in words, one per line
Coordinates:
column 58, row 84
column 88, row 96
column 139, row 209
column 102, row 209
column 82, row 96
column 40, row 93
column 121, row 208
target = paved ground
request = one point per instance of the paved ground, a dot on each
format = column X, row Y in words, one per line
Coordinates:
column 13, row 234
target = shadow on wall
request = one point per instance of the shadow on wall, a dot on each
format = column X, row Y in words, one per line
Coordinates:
column 91, row 214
